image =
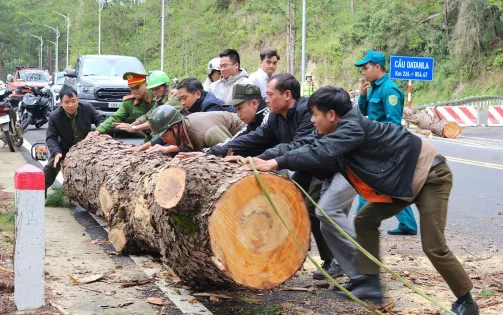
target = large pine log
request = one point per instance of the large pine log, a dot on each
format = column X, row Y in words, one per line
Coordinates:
column 102, row 179
column 439, row 127
column 210, row 219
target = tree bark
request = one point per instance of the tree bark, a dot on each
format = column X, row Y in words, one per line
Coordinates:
column 102, row 179
column 209, row 219
column 424, row 121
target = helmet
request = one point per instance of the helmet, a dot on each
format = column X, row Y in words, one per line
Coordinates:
column 308, row 75
column 175, row 80
column 213, row 65
column 162, row 119
column 157, row 78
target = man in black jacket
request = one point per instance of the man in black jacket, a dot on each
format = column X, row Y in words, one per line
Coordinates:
column 68, row 124
column 289, row 120
column 389, row 167
column 195, row 99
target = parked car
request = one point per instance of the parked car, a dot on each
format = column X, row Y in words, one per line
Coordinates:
column 57, row 83
column 26, row 76
column 98, row 80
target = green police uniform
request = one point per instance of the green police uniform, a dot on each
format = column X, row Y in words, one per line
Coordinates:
column 130, row 110
column 383, row 102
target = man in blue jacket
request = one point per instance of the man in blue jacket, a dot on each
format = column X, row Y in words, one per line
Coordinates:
column 382, row 101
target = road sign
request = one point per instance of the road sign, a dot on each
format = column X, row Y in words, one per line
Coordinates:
column 411, row 68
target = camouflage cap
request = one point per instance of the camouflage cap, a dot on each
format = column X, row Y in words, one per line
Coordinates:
column 244, row 92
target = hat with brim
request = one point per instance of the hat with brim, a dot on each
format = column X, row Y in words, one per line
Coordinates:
column 134, row 78
column 242, row 93
column 372, row 56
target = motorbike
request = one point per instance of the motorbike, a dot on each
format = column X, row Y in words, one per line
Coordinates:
column 35, row 107
column 11, row 132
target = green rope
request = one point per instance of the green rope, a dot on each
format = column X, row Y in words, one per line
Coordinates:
column 334, row 282
column 347, row 236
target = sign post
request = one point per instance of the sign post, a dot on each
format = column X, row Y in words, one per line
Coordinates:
column 29, row 250
column 411, row 68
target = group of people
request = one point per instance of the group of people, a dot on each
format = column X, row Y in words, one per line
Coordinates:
column 325, row 143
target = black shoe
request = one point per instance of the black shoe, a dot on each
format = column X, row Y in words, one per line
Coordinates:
column 464, row 308
column 348, row 286
column 368, row 288
column 331, row 267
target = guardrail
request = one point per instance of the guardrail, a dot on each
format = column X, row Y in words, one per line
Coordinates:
column 482, row 102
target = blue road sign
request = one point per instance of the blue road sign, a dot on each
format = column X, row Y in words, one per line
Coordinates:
column 411, row 68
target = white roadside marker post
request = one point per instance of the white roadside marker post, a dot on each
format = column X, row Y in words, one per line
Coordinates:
column 29, row 249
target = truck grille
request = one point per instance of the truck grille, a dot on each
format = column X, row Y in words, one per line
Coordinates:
column 111, row 94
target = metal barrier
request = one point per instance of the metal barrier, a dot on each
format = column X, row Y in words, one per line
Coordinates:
column 482, row 102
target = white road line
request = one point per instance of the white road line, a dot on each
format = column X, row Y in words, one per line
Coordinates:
column 475, row 163
column 179, row 297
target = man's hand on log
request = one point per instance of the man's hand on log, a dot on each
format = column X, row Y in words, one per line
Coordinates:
column 233, row 158
column 92, row 134
column 162, row 149
column 132, row 149
column 124, row 126
column 261, row 165
column 56, row 159
column 184, row 155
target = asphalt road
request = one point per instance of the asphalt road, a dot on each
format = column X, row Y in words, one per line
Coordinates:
column 476, row 160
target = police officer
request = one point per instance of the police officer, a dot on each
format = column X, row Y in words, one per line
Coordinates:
column 158, row 85
column 133, row 106
column 381, row 100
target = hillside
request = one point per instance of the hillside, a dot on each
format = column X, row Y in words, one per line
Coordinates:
column 464, row 37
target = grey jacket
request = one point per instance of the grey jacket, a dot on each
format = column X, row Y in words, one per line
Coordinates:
column 382, row 155
column 223, row 87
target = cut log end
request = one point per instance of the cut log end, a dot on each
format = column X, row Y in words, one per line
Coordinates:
column 106, row 202
column 250, row 243
column 170, row 187
column 452, row 130
column 117, row 238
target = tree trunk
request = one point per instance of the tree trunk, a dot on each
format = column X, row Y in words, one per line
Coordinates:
column 352, row 7
column 424, row 121
column 210, row 220
column 102, row 179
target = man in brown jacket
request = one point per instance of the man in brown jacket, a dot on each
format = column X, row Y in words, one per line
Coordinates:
column 173, row 133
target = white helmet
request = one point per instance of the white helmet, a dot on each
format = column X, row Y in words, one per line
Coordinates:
column 213, row 65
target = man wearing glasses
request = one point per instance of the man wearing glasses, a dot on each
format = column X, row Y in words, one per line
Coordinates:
column 133, row 106
column 231, row 75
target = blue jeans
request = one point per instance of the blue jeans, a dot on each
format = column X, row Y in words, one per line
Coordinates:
column 406, row 219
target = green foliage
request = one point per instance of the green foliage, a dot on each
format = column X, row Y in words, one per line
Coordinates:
column 57, row 198
column 7, row 221
column 197, row 30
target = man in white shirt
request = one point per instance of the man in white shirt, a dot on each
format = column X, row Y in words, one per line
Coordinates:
column 268, row 65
